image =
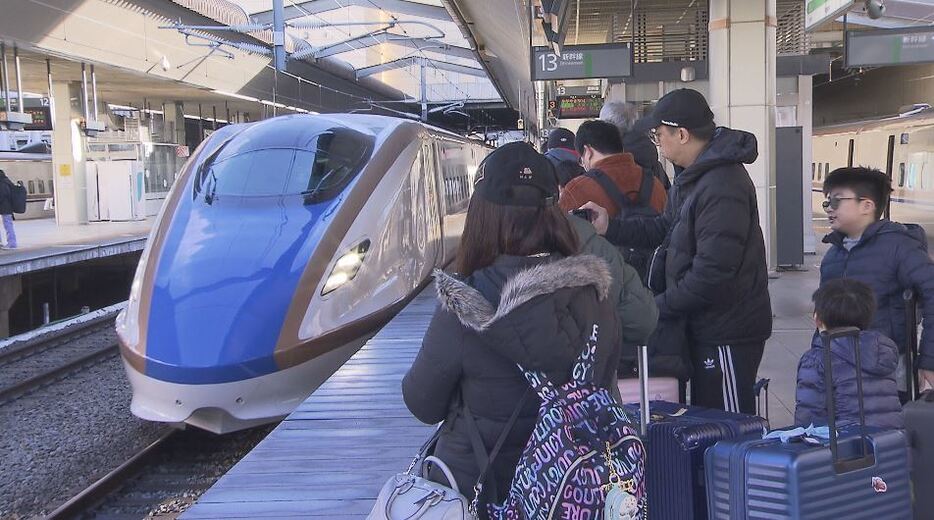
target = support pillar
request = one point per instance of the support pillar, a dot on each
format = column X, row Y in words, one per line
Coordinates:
column 68, row 154
column 11, row 287
column 742, row 91
column 175, row 122
column 806, row 122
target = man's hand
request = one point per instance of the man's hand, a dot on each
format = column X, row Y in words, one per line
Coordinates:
column 927, row 375
column 601, row 220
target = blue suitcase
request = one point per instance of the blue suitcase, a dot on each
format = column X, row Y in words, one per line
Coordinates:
column 676, row 437
column 861, row 473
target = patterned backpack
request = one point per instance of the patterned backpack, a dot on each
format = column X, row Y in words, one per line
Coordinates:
column 583, row 460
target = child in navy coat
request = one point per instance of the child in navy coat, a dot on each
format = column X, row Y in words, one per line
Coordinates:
column 848, row 303
column 889, row 257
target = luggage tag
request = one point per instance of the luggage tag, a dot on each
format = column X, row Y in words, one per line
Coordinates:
column 621, row 502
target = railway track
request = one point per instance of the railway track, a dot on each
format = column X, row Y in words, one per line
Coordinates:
column 163, row 478
column 50, row 357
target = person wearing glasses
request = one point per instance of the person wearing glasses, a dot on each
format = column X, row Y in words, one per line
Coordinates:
column 888, row 256
column 709, row 270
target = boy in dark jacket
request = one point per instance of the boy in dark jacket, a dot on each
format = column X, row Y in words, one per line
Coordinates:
column 888, row 256
column 848, row 303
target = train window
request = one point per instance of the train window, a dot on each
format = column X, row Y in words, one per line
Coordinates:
column 41, row 186
column 32, row 187
column 320, row 171
column 820, row 171
column 901, row 175
column 826, row 170
column 812, row 171
column 912, row 180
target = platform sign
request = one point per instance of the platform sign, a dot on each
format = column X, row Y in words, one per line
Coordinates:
column 579, row 107
column 41, row 118
column 819, row 11
column 885, row 47
column 612, row 60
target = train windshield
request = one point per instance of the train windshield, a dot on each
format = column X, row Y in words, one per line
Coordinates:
column 318, row 170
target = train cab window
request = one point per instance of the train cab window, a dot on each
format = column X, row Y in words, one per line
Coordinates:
column 31, row 188
column 901, row 175
column 319, row 170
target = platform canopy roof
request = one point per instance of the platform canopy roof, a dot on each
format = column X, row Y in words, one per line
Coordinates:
column 391, row 40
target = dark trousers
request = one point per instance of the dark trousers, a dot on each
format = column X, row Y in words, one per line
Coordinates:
column 724, row 376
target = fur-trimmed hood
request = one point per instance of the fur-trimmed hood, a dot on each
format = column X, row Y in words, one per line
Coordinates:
column 477, row 313
column 537, row 314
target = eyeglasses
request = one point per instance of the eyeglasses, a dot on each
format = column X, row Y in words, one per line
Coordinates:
column 653, row 136
column 834, row 203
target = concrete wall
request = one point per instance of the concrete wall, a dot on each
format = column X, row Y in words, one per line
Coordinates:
column 871, row 94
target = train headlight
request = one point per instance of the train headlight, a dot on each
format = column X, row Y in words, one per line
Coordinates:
column 346, row 267
column 128, row 319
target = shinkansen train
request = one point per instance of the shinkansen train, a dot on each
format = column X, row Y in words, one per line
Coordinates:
column 281, row 246
column 902, row 146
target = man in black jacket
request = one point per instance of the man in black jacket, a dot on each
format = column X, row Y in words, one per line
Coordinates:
column 715, row 275
column 6, row 210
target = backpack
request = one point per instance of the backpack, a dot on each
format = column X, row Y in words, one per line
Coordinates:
column 638, row 258
column 18, row 197
column 584, row 456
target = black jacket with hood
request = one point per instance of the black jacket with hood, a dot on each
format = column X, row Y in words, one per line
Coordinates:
column 716, row 271
column 6, row 194
column 533, row 312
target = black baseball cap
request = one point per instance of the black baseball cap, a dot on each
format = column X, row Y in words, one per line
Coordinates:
column 505, row 176
column 561, row 138
column 682, row 108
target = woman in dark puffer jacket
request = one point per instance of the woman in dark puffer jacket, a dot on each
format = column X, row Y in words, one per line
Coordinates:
column 522, row 299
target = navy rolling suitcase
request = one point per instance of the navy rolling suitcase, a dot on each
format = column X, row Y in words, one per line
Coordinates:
column 860, row 474
column 675, row 437
column 919, row 420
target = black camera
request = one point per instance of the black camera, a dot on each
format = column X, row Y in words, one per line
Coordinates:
column 585, row 214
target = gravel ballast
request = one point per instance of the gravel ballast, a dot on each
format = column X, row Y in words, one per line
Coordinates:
column 59, row 439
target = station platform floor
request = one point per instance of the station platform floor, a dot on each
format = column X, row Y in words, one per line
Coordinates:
column 44, row 244
column 331, row 456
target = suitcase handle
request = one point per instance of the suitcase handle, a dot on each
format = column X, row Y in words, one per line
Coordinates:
column 911, row 340
column 865, row 459
column 644, row 416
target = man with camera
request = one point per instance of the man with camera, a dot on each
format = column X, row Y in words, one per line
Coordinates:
column 709, row 270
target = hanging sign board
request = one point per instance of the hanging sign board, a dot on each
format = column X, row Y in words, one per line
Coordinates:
column 886, row 47
column 819, row 11
column 579, row 107
column 611, row 60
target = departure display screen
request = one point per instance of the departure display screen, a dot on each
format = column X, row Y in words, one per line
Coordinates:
column 579, row 107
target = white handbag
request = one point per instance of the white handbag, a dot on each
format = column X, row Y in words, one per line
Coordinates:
column 410, row 496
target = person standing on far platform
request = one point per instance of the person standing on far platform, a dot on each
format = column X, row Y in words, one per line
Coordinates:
column 6, row 210
column 710, row 274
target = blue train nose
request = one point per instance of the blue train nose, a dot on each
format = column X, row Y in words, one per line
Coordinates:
column 246, row 223
column 222, row 288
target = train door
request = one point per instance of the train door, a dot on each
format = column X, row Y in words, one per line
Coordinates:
column 889, row 164
column 451, row 159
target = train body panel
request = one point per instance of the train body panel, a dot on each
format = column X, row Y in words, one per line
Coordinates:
column 911, row 138
column 282, row 244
